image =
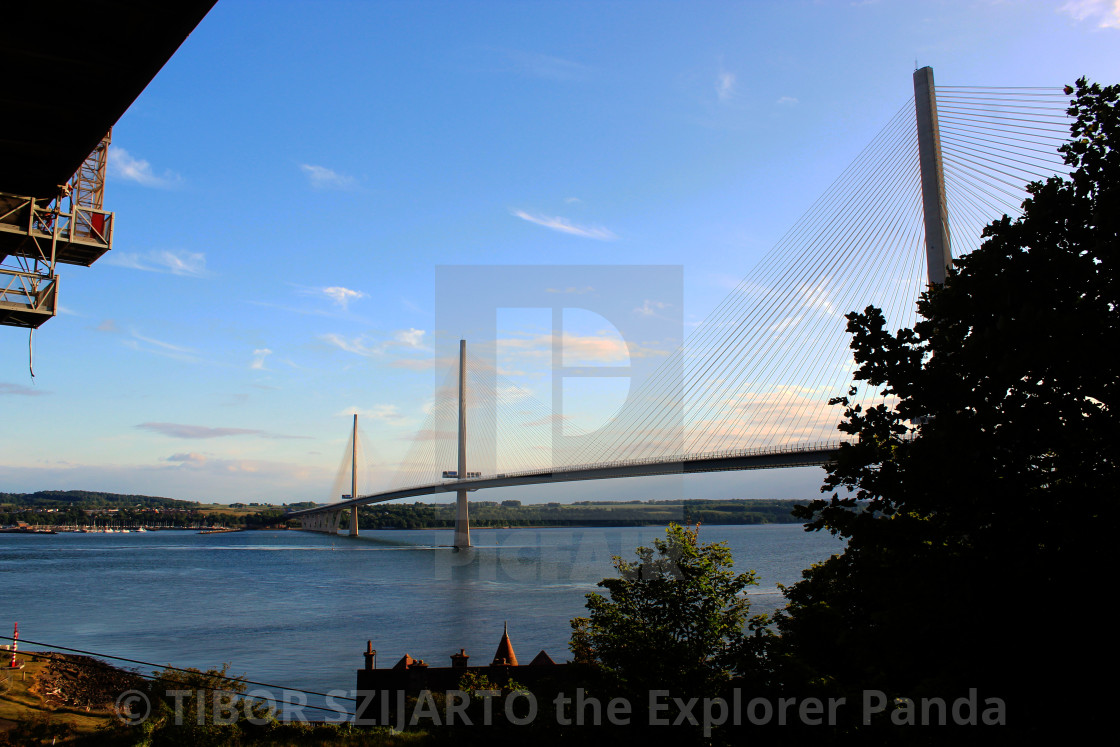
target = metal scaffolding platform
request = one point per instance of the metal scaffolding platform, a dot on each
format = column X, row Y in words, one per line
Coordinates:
column 53, row 148
column 37, row 234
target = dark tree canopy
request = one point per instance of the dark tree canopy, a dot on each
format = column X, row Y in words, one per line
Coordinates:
column 675, row 618
column 981, row 507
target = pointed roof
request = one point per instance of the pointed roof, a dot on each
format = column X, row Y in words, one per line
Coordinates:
column 505, row 656
column 541, row 659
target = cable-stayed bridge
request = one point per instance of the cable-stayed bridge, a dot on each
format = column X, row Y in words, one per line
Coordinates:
column 749, row 388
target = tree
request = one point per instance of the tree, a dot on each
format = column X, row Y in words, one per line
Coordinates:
column 674, row 620
column 192, row 707
column 988, row 490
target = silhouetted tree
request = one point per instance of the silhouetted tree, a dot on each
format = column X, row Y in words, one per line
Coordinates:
column 980, row 509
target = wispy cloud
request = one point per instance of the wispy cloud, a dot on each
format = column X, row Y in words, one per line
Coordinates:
column 412, row 338
column 1104, row 13
column 20, row 390
column 603, row 348
column 650, row 308
column 191, row 458
column 548, row 67
column 182, row 430
column 566, row 226
column 187, row 264
column 787, row 101
column 124, row 166
column 258, row 358
column 321, row 177
column 137, row 341
column 725, row 85
column 341, row 296
column 369, row 347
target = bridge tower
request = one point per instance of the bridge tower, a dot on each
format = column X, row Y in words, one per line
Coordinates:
column 939, row 257
column 354, row 479
column 462, row 518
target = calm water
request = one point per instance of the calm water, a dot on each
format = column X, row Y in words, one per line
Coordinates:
column 295, row 609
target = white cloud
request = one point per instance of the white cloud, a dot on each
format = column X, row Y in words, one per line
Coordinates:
column 364, row 345
column 1105, row 13
column 342, row 296
column 566, row 226
column 258, row 358
column 122, row 165
column 187, row 264
column 412, row 338
column 603, row 348
column 323, row 178
column 356, row 345
column 650, row 308
column 725, row 85
column 787, row 101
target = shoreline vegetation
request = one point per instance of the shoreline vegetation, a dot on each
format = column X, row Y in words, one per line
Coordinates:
column 76, row 509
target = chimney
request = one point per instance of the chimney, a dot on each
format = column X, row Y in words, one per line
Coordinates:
column 371, row 656
column 459, row 660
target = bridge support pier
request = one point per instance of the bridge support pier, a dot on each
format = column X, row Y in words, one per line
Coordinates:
column 353, row 521
column 462, row 521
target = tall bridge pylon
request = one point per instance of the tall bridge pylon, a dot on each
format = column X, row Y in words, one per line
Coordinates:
column 939, row 256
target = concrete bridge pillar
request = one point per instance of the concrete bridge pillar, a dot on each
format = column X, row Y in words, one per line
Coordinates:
column 353, row 521
column 462, row 521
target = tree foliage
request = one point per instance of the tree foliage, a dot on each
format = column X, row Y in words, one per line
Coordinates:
column 675, row 618
column 988, row 487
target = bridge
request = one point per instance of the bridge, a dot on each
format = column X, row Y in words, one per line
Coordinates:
column 749, row 388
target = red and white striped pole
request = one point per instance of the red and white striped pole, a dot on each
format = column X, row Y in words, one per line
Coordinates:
column 15, row 645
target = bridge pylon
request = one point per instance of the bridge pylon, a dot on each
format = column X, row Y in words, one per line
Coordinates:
column 939, row 256
column 462, row 516
column 354, row 478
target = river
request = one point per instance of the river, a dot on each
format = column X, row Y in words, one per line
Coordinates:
column 295, row 609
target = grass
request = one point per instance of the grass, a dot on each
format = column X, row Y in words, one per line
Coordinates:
column 21, row 704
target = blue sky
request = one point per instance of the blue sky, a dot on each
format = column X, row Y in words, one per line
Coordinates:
column 287, row 186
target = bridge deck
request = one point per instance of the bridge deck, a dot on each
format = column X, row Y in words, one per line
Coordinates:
column 797, row 456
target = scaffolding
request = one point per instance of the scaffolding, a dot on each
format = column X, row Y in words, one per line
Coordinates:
column 36, row 235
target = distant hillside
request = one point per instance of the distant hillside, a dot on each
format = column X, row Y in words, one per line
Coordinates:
column 584, row 513
column 89, row 498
